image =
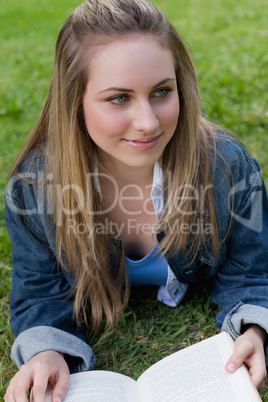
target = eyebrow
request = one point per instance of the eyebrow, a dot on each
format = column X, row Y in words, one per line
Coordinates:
column 131, row 90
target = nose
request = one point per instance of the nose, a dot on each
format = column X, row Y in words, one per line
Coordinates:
column 145, row 119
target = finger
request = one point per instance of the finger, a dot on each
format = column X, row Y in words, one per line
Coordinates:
column 9, row 395
column 262, row 385
column 258, row 373
column 61, row 386
column 241, row 353
column 259, row 384
column 40, row 383
column 19, row 386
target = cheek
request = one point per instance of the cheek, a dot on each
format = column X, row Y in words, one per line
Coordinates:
column 170, row 114
column 104, row 125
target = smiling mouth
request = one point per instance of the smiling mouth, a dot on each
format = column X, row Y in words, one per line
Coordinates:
column 144, row 140
column 143, row 144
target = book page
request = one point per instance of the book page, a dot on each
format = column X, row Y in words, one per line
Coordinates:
column 99, row 386
column 197, row 373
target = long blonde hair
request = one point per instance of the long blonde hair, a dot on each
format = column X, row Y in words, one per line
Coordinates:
column 71, row 153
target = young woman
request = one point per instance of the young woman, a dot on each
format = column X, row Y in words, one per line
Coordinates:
column 124, row 183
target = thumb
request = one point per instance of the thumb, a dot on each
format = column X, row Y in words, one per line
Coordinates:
column 231, row 366
column 234, row 362
column 237, row 358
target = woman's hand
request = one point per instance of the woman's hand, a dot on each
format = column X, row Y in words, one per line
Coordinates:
column 249, row 349
column 49, row 366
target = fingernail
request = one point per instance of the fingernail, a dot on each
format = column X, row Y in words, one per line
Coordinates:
column 58, row 399
column 231, row 368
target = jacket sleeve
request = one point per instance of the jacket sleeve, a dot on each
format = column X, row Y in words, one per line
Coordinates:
column 41, row 305
column 241, row 284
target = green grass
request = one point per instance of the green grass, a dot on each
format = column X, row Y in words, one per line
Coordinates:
column 228, row 42
column 144, row 335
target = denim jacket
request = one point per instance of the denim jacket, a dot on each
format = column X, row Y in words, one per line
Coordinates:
column 41, row 305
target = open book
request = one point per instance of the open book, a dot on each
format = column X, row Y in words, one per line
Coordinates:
column 193, row 374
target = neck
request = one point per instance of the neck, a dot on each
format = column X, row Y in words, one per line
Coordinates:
column 126, row 175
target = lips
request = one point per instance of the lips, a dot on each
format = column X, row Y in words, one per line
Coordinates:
column 143, row 143
column 145, row 140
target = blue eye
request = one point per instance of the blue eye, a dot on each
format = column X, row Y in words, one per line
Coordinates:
column 119, row 100
column 162, row 93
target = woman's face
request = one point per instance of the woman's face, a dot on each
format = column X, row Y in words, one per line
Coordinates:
column 131, row 104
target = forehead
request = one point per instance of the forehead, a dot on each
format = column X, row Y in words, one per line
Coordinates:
column 130, row 58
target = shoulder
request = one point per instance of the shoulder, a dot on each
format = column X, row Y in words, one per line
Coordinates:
column 27, row 177
column 233, row 154
column 231, row 163
column 26, row 197
column 33, row 162
column 235, row 179
column 236, row 175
